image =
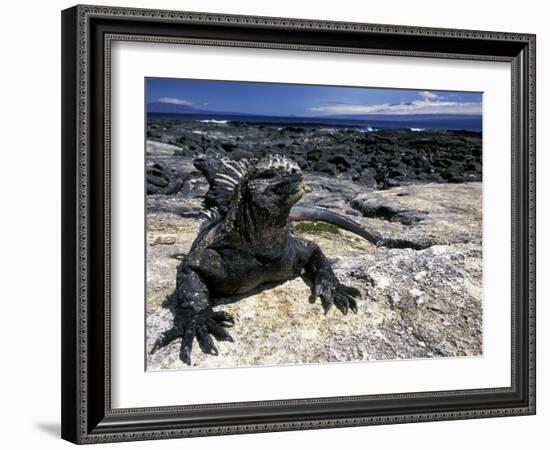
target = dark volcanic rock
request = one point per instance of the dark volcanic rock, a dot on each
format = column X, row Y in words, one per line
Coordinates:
column 162, row 179
column 385, row 159
column 376, row 208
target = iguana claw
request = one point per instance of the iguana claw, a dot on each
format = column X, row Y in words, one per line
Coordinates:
column 202, row 326
column 332, row 292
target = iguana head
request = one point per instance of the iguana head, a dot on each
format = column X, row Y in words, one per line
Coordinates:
column 259, row 191
column 274, row 183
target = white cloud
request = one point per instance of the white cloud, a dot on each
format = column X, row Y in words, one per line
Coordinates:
column 426, row 106
column 429, row 95
column 174, row 101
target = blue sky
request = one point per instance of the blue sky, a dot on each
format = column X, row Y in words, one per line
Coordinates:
column 308, row 100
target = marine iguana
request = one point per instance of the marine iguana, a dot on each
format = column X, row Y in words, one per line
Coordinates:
column 246, row 244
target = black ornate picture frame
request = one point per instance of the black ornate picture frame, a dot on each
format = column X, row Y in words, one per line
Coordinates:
column 87, row 35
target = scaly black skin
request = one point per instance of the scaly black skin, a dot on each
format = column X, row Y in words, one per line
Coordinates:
column 249, row 248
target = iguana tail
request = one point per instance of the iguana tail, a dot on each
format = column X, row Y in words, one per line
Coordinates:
column 303, row 213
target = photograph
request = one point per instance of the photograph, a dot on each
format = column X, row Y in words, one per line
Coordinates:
column 311, row 224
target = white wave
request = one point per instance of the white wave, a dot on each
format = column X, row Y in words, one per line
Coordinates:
column 417, row 129
column 213, row 121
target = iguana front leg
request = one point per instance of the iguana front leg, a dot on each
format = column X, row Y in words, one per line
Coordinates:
column 194, row 317
column 318, row 274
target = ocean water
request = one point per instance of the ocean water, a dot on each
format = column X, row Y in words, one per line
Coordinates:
column 371, row 123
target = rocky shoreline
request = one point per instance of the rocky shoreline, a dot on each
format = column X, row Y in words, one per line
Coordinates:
column 421, row 291
column 381, row 159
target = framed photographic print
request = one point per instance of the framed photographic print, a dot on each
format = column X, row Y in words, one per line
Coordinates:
column 280, row 224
